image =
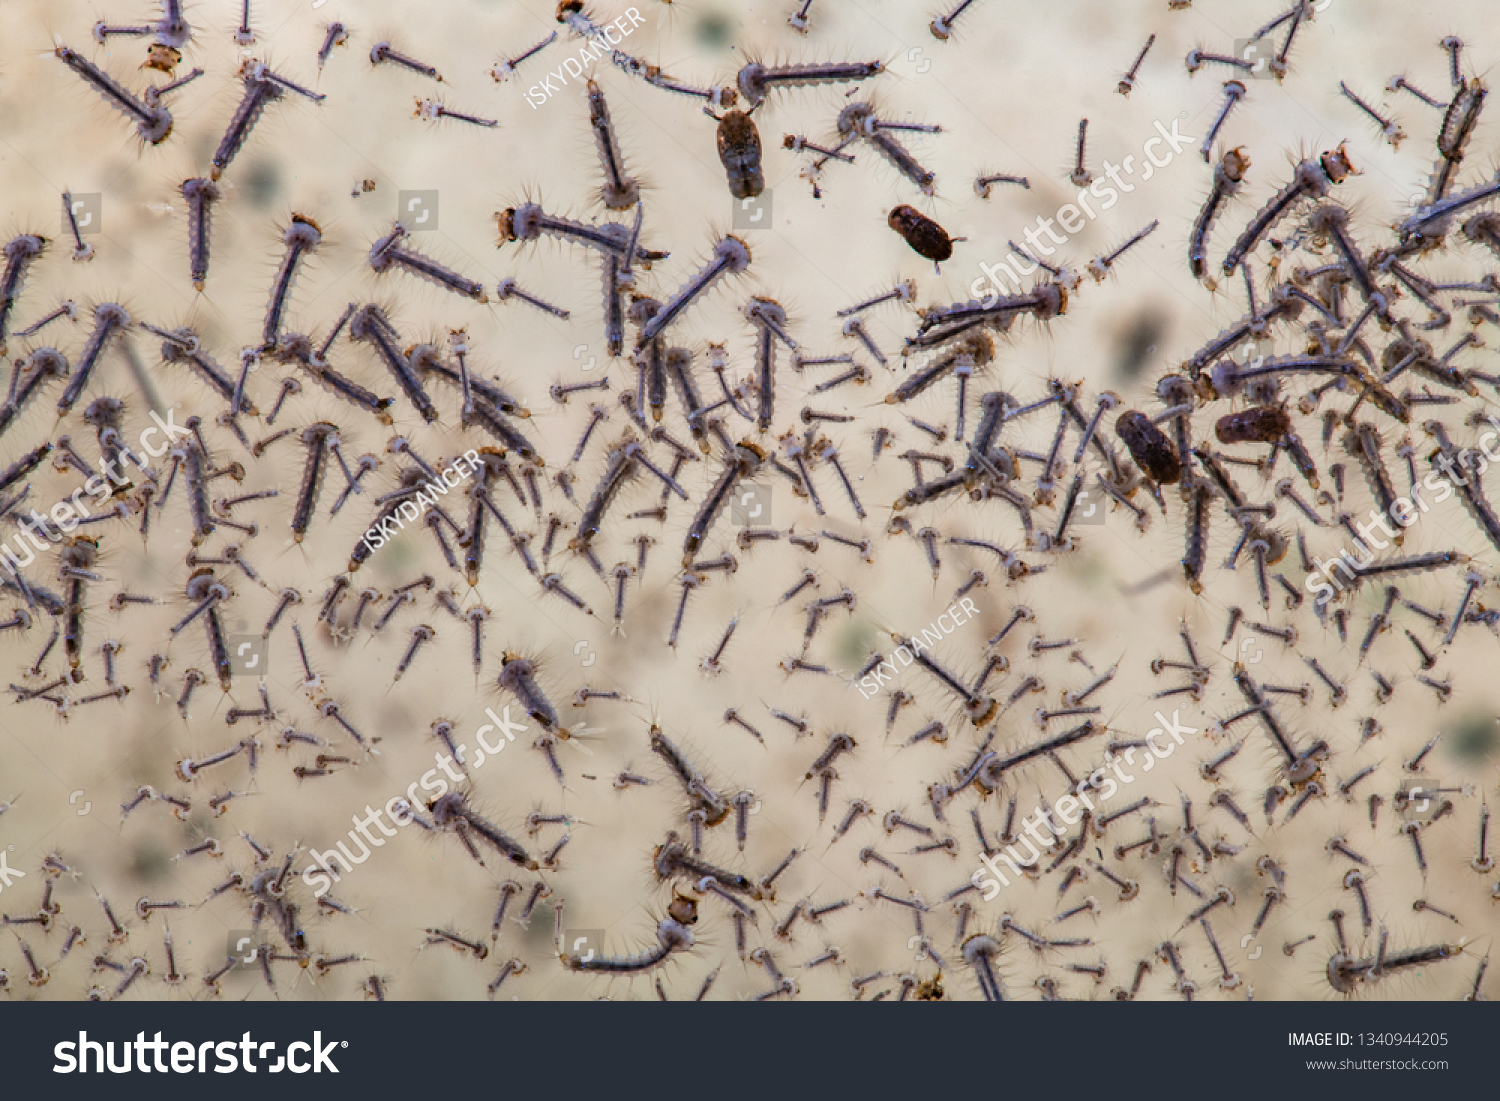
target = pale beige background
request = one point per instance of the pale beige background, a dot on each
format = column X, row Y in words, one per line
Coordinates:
column 1009, row 90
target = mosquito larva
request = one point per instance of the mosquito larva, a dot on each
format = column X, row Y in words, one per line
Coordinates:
column 619, row 191
column 503, row 70
column 109, row 320
column 301, row 237
column 1101, row 266
column 259, row 91
column 1234, row 91
column 370, row 324
column 518, row 676
column 154, row 124
column 858, row 120
column 530, row 221
column 20, row 253
column 756, row 80
column 388, row 251
column 318, row 438
column 431, row 110
column 382, row 52
column 731, row 257
column 507, row 290
column 336, row 35
column 1311, row 180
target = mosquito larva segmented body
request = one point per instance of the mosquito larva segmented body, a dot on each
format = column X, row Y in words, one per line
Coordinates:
column 858, row 120
column 619, row 191
column 260, row 91
column 672, row 936
column 200, row 194
column 110, row 320
column 518, row 676
column 318, row 438
column 731, row 257
column 20, row 253
column 756, row 81
column 388, row 252
column 383, row 52
column 1312, row 180
column 371, row 325
column 1228, row 175
column 618, row 468
column 744, row 461
column 300, row 237
column 153, row 123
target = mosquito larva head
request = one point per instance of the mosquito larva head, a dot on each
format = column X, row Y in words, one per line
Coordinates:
column 674, row 935
column 302, row 233
column 734, row 254
column 1343, row 973
column 447, row 809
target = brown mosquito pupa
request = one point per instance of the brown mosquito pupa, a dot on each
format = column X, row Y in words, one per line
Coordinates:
column 153, row 124
column 300, row 237
column 738, row 142
column 1149, row 447
column 731, row 257
column 1259, row 424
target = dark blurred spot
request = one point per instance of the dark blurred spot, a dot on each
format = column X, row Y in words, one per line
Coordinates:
column 715, row 30
column 262, row 183
column 150, row 863
column 1475, row 739
column 1137, row 345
